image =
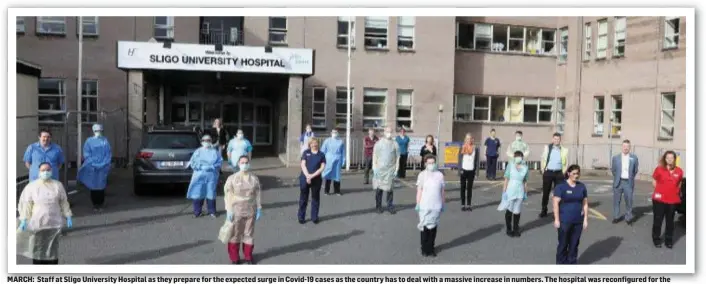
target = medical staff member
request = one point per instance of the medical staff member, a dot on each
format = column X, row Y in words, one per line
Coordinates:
column 43, row 207
column 469, row 164
column 97, row 158
column 313, row 164
column 667, row 179
column 386, row 156
column 514, row 193
column 206, row 163
column 553, row 167
column 570, row 215
column 243, row 207
column 237, row 147
column 403, row 144
column 335, row 151
column 518, row 145
column 368, row 144
column 43, row 151
column 492, row 148
column 431, row 200
column 304, row 139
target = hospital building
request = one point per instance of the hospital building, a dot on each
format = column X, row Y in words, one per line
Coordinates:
column 596, row 80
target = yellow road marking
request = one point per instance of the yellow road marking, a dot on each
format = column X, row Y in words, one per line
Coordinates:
column 594, row 213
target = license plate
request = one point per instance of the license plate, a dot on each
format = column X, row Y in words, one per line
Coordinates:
column 172, row 164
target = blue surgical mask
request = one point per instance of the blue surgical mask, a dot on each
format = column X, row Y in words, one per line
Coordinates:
column 518, row 160
column 431, row 167
column 244, row 167
column 206, row 144
column 45, row 175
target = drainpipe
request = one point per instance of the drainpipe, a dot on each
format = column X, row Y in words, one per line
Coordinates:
column 579, row 83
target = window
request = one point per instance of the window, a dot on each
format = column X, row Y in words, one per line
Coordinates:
column 619, row 37
column 616, row 115
column 51, row 25
column 278, row 30
column 374, row 108
column 318, row 114
column 404, row 108
column 163, row 27
column 342, row 107
column 89, row 101
column 52, row 95
column 376, row 32
column 587, row 42
column 481, row 108
column 517, row 39
column 343, row 36
column 548, row 41
column 540, row 41
column 497, row 108
column 666, row 124
column 20, row 25
column 560, row 115
column 598, row 108
column 602, row 39
column 564, row 50
column 499, row 38
column 464, row 35
column 536, row 110
column 405, row 32
column 463, row 107
column 90, row 26
column 482, row 36
column 671, row 32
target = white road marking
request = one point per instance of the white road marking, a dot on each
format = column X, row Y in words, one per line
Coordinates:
column 72, row 192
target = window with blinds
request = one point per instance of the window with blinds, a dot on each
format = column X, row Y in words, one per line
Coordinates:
column 405, row 32
column 376, row 32
column 619, row 25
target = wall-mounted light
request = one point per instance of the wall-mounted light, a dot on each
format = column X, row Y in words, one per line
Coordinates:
column 167, row 43
column 219, row 47
column 268, row 49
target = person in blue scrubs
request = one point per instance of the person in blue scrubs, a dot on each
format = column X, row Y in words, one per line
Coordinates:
column 93, row 174
column 335, row 151
column 43, row 151
column 403, row 144
column 237, row 147
column 206, row 163
column 313, row 164
column 492, row 148
column 570, row 215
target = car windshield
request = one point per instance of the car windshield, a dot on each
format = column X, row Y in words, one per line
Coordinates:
column 172, row 141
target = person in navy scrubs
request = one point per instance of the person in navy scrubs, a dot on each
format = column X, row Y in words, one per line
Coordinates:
column 313, row 164
column 492, row 148
column 570, row 215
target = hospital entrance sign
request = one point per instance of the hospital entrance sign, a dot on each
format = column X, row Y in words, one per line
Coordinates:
column 198, row 57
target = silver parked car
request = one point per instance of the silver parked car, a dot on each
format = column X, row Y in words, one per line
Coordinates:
column 164, row 157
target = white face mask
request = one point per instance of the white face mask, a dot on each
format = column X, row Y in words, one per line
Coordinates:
column 45, row 175
column 518, row 138
column 206, row 144
column 239, row 135
column 431, row 167
column 308, row 130
column 98, row 134
column 244, row 167
column 388, row 135
column 334, row 134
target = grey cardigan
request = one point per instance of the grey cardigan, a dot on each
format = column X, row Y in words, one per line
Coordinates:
column 476, row 160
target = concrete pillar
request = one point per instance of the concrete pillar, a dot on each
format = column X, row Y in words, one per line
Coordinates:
column 135, row 85
column 152, row 103
column 294, row 118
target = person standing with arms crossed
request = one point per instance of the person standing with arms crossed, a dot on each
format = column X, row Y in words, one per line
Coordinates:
column 553, row 166
column 386, row 158
column 624, row 168
column 492, row 148
column 368, row 144
column 667, row 179
column 403, row 144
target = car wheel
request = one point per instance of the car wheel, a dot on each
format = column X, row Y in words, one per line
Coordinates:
column 138, row 189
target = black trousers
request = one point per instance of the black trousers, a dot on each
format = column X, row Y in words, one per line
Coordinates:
column 550, row 179
column 336, row 187
column 402, row 167
column 368, row 167
column 467, row 179
column 491, row 166
column 45, row 262
column 97, row 198
column 512, row 221
column 569, row 235
column 663, row 212
column 378, row 199
column 428, row 237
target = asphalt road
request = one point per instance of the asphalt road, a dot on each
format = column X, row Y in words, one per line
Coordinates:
column 159, row 229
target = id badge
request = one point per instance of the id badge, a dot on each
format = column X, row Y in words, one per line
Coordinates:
column 658, row 196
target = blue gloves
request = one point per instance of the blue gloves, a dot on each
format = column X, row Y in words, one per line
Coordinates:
column 69, row 222
column 229, row 216
column 443, row 208
column 23, row 225
column 525, row 197
column 258, row 214
column 416, row 208
column 504, row 195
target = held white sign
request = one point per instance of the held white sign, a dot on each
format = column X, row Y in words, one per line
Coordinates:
column 197, row 57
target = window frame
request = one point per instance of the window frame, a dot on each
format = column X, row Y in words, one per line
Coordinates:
column 87, row 113
column 376, row 36
column 382, row 118
column 662, row 97
column 45, row 19
column 318, row 116
column 587, row 41
column 616, row 128
column 411, row 108
column 540, row 102
column 560, row 124
column 348, row 37
column 401, row 26
column 96, row 23
column 280, row 31
column 169, row 27
column 344, row 101
column 62, row 101
column 596, row 112
column 475, row 37
column 602, row 52
column 563, row 53
column 619, row 34
column 469, row 109
column 675, row 37
column 21, row 23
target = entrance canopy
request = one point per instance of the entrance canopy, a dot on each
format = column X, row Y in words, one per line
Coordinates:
column 199, row 57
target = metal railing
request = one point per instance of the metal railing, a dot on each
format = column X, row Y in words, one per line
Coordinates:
column 213, row 37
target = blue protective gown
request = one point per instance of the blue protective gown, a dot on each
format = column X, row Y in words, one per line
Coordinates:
column 335, row 151
column 237, row 148
column 97, row 157
column 206, row 163
column 36, row 155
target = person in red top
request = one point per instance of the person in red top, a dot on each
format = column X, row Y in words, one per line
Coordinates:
column 667, row 179
column 368, row 144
